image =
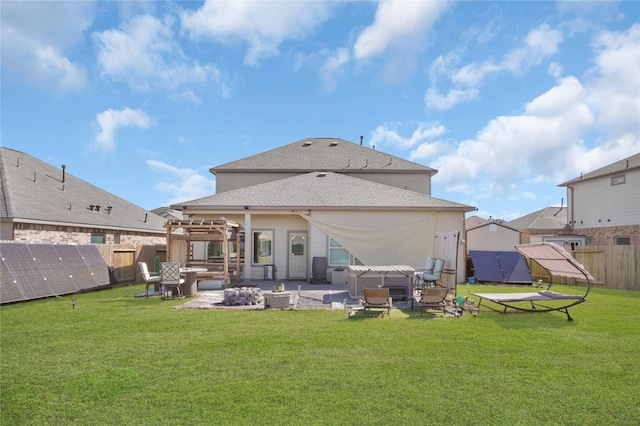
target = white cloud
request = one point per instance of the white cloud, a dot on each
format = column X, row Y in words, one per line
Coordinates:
column 545, row 144
column 145, row 56
column 555, row 70
column 473, row 74
column 181, row 184
column 35, row 39
column 428, row 150
column 614, row 92
column 383, row 135
column 435, row 100
column 540, row 44
column 537, row 143
column 333, row 67
column 398, row 25
column 111, row 120
column 261, row 25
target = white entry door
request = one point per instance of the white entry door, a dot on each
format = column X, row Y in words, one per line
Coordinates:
column 297, row 256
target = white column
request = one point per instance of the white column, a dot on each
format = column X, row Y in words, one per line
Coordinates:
column 248, row 246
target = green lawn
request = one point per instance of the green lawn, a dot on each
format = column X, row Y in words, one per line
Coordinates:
column 119, row 360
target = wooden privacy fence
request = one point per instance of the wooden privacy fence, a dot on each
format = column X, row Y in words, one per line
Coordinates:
column 615, row 267
column 124, row 258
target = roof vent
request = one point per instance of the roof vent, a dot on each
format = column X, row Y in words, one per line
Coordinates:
column 321, row 174
column 333, row 143
column 306, row 143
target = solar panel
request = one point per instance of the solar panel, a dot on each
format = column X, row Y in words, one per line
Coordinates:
column 32, row 271
column 77, row 267
column 486, row 266
column 52, row 268
column 500, row 267
column 96, row 264
column 24, row 268
column 9, row 288
column 514, row 267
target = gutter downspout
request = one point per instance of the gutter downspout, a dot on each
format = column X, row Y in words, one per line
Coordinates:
column 571, row 221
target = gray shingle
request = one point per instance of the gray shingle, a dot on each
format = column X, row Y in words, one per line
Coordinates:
column 324, row 190
column 33, row 190
column 629, row 163
column 547, row 218
column 326, row 154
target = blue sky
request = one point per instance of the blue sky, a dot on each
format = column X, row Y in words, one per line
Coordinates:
column 505, row 99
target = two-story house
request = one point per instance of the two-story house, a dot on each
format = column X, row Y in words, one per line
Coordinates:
column 334, row 199
column 604, row 205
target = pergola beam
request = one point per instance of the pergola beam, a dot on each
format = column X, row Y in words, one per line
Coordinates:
column 204, row 230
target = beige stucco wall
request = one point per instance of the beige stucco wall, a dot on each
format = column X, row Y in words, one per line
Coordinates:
column 418, row 182
column 496, row 238
column 282, row 222
column 230, row 181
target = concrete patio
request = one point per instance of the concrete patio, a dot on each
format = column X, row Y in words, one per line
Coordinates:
column 304, row 295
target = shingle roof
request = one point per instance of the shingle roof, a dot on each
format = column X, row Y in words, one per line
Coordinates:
column 547, row 218
column 473, row 221
column 326, row 154
column 629, row 163
column 32, row 190
column 490, row 222
column 324, row 190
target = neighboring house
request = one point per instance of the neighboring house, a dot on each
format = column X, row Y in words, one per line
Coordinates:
column 40, row 203
column 490, row 235
column 604, row 205
column 330, row 198
column 547, row 224
column 168, row 213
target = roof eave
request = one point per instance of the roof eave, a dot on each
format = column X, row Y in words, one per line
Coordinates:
column 293, row 208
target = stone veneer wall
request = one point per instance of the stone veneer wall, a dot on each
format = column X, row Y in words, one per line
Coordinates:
column 49, row 234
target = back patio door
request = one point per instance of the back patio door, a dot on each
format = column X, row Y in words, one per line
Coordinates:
column 297, row 256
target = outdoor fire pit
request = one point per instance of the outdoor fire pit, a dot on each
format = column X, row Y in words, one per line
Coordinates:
column 242, row 296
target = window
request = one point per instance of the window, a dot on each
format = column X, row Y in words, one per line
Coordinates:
column 214, row 250
column 338, row 256
column 622, row 241
column 116, row 238
column 97, row 238
column 262, row 247
column 617, row 180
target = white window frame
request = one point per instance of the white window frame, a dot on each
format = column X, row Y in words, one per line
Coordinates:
column 618, row 180
column 255, row 239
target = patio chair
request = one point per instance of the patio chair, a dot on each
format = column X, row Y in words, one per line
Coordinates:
column 430, row 279
column 377, row 298
column 149, row 279
column 431, row 298
column 171, row 281
column 428, row 269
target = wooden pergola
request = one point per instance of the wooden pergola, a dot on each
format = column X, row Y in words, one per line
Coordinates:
column 180, row 233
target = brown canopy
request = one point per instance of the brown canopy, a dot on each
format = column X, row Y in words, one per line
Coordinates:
column 555, row 260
